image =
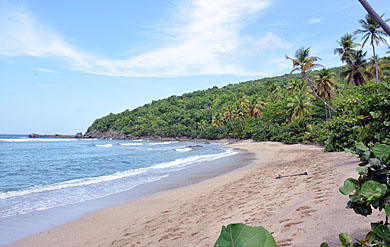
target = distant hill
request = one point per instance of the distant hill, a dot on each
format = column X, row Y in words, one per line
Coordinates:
column 193, row 115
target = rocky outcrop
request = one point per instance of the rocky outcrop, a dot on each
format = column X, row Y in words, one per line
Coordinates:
column 121, row 136
column 79, row 135
column 33, row 135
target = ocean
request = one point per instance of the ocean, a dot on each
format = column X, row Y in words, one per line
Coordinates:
column 40, row 174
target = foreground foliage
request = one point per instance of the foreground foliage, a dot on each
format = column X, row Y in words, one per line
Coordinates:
column 239, row 235
column 370, row 191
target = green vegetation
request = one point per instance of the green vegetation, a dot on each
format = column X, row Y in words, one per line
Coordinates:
column 243, row 235
column 370, row 191
column 281, row 108
column 326, row 106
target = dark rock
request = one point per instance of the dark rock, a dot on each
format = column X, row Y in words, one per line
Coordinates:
column 195, row 146
column 33, row 135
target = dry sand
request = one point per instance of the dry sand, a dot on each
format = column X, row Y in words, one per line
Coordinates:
column 298, row 211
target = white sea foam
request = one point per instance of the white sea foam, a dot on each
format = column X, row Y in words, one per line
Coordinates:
column 131, row 144
column 179, row 163
column 183, row 149
column 53, row 203
column 104, row 145
column 160, row 143
column 39, row 140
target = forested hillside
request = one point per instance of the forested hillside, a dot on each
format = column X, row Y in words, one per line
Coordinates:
column 280, row 108
column 336, row 107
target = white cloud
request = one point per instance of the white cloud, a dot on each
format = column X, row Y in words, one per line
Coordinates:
column 271, row 42
column 47, row 85
column 207, row 41
column 44, row 70
column 314, row 20
column 282, row 63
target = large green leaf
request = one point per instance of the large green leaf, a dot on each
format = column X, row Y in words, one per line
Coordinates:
column 239, row 235
column 381, row 151
column 361, row 147
column 345, row 239
column 349, row 186
column 370, row 237
column 387, row 210
column 382, row 232
column 372, row 190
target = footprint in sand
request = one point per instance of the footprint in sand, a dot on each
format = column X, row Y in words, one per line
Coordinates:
column 302, row 208
column 284, row 242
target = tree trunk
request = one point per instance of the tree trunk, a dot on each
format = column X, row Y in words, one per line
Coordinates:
column 231, row 123
column 312, row 89
column 330, row 113
column 226, row 134
column 242, row 127
column 326, row 112
column 375, row 16
column 376, row 65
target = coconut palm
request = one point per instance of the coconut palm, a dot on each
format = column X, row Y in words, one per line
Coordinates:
column 346, row 48
column 371, row 66
column 202, row 125
column 301, row 107
column 374, row 15
column 373, row 32
column 239, row 114
column 357, row 70
column 218, row 121
column 254, row 107
column 296, row 85
column 303, row 62
column 242, row 100
column 228, row 113
column 325, row 83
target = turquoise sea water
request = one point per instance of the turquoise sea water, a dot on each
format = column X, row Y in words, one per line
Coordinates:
column 38, row 174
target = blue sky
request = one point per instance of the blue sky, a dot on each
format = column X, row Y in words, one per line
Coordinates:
column 65, row 63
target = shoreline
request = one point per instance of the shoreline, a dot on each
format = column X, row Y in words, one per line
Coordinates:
column 33, row 223
column 299, row 211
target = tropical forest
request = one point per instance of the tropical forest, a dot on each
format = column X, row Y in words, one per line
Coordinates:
column 334, row 107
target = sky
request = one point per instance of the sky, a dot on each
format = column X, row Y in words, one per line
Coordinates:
column 64, row 64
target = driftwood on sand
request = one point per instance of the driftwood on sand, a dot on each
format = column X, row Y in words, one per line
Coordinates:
column 293, row 175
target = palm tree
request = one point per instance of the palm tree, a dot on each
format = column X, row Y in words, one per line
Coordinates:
column 274, row 92
column 218, row 121
column 202, row 125
column 239, row 114
column 228, row 113
column 373, row 32
column 296, row 85
column 346, row 48
column 304, row 62
column 254, row 107
column 357, row 70
column 301, row 108
column 371, row 67
column 325, row 83
column 374, row 15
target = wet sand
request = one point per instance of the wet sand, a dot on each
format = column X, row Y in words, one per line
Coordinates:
column 298, row 211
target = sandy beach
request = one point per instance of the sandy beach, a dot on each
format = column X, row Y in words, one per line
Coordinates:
column 298, row 211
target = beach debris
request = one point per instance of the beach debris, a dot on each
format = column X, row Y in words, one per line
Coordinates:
column 237, row 235
column 293, row 175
